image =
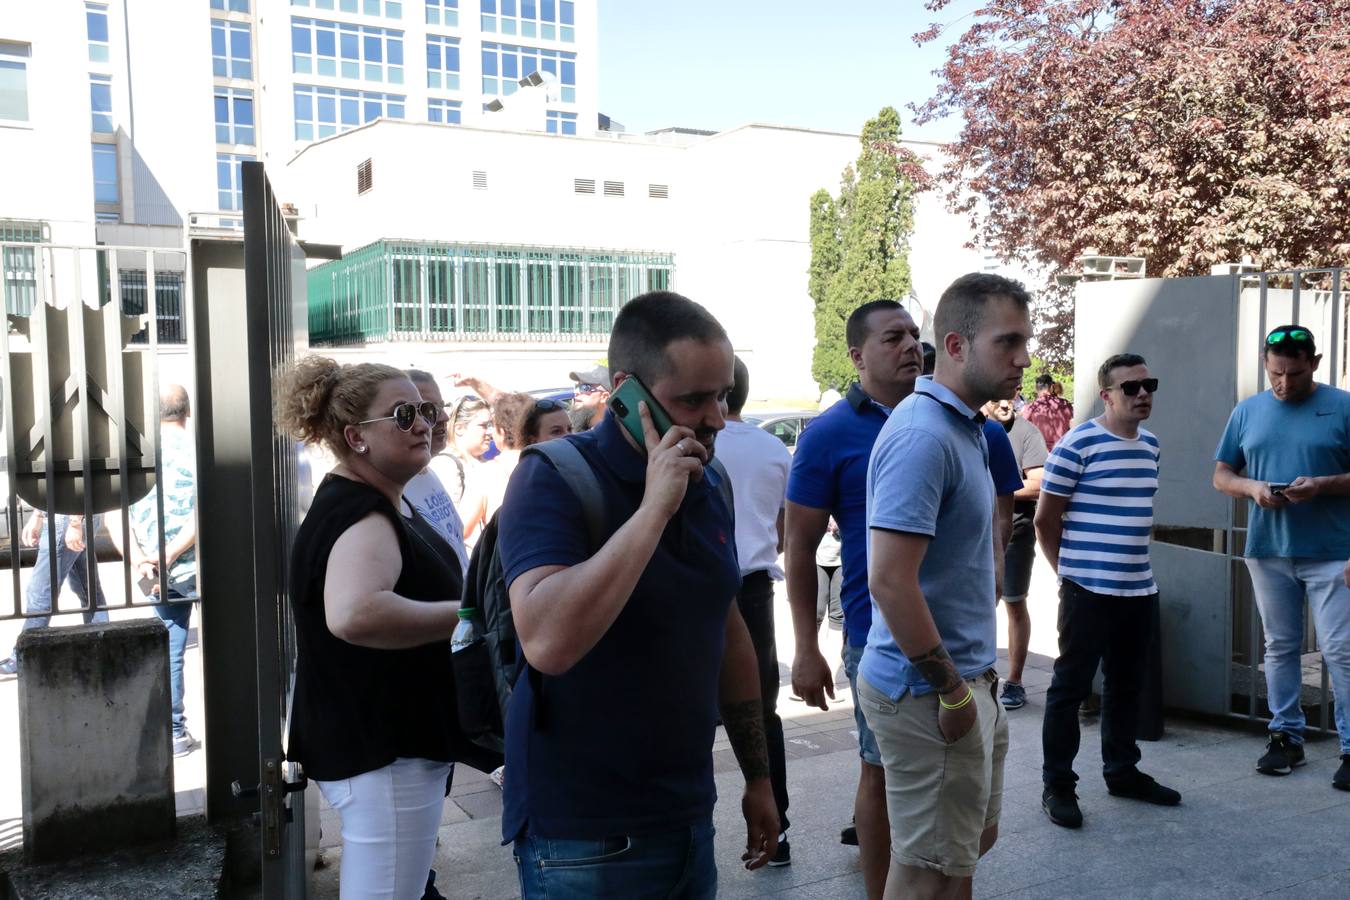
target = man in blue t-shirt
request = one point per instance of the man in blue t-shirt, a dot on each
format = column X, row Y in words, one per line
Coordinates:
column 829, row 479
column 1094, row 522
column 927, row 682
column 1288, row 451
column 596, row 769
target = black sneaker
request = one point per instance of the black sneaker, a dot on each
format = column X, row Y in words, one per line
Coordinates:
column 1061, row 805
column 849, row 836
column 1282, row 755
column 784, row 855
column 1341, row 780
column 1139, row 786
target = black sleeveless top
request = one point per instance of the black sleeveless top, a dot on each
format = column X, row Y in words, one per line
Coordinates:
column 357, row 709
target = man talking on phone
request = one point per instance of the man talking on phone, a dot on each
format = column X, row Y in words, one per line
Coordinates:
column 634, row 645
column 1288, row 451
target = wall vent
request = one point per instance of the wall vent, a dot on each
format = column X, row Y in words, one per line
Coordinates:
column 658, row 191
column 480, row 181
column 583, row 185
column 365, row 176
column 613, row 188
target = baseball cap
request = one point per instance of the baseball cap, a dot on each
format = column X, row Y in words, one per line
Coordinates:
column 598, row 375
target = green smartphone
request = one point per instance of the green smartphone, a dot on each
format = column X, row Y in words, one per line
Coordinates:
column 624, row 404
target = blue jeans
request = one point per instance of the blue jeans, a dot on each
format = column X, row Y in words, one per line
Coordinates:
column 70, row 566
column 1281, row 585
column 867, row 741
column 675, row 864
column 175, row 617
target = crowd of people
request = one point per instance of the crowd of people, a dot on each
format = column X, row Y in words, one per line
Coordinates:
column 915, row 502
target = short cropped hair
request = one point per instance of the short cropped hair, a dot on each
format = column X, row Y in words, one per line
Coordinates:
column 648, row 324
column 1119, row 361
column 740, row 388
column 962, row 305
column 856, row 329
column 1290, row 349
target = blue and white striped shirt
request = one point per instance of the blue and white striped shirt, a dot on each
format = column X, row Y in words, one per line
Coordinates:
column 1110, row 482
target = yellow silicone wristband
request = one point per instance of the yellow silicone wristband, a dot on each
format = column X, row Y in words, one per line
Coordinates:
column 970, row 695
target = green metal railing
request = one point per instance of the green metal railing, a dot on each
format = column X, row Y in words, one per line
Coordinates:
column 412, row 290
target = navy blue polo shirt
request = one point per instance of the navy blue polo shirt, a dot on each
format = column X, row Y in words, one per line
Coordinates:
column 829, row 471
column 620, row 744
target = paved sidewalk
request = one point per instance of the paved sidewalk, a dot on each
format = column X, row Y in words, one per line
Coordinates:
column 1236, row 834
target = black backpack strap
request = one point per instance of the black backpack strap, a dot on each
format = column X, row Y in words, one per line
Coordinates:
column 580, row 477
column 724, row 487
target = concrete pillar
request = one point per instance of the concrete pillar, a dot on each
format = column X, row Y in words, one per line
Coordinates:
column 94, row 738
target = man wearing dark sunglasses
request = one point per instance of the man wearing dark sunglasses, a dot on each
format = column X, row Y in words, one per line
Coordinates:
column 592, row 389
column 1094, row 520
column 1288, row 451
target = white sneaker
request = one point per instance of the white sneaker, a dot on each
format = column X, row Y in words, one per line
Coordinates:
column 184, row 744
column 498, row 775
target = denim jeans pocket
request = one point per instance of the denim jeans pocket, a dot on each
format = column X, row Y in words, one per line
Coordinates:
column 560, row 854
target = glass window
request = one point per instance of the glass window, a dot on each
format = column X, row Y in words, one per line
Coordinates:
column 234, row 116
column 443, row 12
column 561, row 122
column 445, row 112
column 105, row 173
column 96, row 26
column 229, row 184
column 513, row 63
column 14, row 81
column 549, row 19
column 364, row 51
column 231, row 49
column 323, row 111
column 233, row 5
column 443, row 63
column 100, row 103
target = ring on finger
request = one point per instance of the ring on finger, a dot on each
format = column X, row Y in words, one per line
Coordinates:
column 679, row 445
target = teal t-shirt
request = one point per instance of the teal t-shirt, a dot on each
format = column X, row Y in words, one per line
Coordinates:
column 1276, row 441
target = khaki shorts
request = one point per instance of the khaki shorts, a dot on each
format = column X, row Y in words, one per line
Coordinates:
column 940, row 797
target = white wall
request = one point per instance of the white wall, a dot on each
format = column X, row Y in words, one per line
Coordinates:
column 47, row 164
column 736, row 219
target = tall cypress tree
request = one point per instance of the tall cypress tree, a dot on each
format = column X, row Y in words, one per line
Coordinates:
column 860, row 241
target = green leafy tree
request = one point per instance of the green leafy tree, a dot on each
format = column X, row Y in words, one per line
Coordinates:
column 860, row 241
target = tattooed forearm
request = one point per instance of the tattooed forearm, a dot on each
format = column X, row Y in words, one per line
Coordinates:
column 937, row 668
column 744, row 722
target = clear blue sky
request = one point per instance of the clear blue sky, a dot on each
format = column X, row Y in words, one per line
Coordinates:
column 716, row 64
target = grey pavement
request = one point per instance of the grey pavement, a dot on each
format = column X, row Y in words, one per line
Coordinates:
column 1236, row 834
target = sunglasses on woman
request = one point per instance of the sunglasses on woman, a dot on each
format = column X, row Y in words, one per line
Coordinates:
column 550, row 405
column 406, row 413
column 1299, row 335
column 1131, row 388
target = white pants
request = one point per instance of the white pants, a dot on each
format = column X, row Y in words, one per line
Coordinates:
column 389, row 822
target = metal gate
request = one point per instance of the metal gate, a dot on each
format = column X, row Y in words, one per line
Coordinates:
column 274, row 278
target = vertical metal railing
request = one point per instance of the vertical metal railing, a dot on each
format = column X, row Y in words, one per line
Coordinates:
column 85, row 433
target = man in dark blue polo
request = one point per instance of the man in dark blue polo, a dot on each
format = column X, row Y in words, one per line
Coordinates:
column 609, row 788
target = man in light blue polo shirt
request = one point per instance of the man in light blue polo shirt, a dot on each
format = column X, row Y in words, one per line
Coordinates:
column 1288, row 451
column 926, row 682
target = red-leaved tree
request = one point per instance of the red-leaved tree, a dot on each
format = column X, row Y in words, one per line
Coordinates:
column 1188, row 132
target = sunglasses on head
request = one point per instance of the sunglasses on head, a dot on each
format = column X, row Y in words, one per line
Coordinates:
column 549, row 405
column 406, row 413
column 1291, row 334
column 1131, row 388
column 584, row 388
